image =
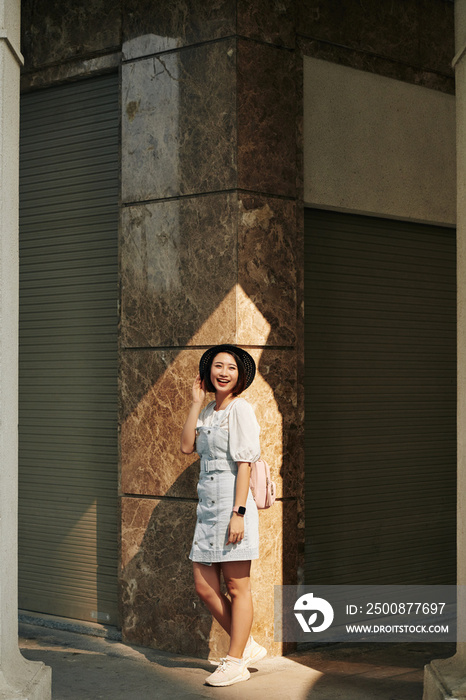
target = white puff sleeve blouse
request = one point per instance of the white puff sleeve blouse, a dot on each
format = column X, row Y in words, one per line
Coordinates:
column 244, row 432
column 243, row 428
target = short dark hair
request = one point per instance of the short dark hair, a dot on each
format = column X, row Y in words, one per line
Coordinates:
column 242, row 378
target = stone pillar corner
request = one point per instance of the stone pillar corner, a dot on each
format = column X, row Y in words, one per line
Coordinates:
column 445, row 679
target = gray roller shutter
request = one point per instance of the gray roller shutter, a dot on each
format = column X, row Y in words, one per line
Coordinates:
column 380, row 401
column 69, row 169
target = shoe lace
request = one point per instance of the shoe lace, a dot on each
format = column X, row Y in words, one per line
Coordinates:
column 222, row 667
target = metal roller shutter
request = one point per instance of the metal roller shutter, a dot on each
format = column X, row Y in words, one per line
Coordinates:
column 69, row 188
column 380, row 401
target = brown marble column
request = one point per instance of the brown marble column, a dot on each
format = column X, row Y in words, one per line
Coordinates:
column 208, row 255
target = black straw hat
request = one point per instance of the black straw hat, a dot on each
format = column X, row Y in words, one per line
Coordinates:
column 245, row 357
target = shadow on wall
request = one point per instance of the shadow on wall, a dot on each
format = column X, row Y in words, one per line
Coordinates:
column 241, row 290
column 196, row 271
column 159, row 607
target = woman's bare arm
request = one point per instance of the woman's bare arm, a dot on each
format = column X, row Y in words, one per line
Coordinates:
column 188, row 435
column 236, row 527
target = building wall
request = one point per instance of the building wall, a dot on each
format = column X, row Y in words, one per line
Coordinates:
column 207, row 250
column 211, row 245
column 375, row 145
column 207, row 222
column 412, row 41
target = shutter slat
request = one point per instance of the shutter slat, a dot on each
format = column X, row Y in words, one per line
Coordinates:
column 380, row 382
column 69, row 189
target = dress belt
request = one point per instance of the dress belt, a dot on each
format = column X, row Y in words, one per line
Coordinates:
column 210, row 465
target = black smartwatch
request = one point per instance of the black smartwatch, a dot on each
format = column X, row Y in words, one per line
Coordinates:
column 241, row 510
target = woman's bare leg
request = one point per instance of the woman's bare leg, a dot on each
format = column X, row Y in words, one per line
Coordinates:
column 237, row 579
column 207, row 584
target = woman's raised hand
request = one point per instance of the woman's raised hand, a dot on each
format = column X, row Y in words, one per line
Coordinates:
column 188, row 435
column 198, row 390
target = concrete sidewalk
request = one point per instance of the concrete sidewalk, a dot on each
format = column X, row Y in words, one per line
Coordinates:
column 93, row 668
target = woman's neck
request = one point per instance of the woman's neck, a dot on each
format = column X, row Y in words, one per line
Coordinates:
column 222, row 400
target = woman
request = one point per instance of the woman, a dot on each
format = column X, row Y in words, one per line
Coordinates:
column 226, row 436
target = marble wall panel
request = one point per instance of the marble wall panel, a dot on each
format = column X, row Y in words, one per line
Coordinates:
column 155, row 395
column 179, row 123
column 159, row 607
column 271, row 22
column 71, row 70
column 266, row 271
column 276, row 566
column 381, row 27
column 266, row 119
column 273, row 396
column 375, row 64
column 437, row 36
column 149, row 28
column 57, row 30
column 296, row 436
column 155, row 390
column 178, row 272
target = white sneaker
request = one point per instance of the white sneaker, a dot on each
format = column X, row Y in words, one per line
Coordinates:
column 228, row 672
column 253, row 652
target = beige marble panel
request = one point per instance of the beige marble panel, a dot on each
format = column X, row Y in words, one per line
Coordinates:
column 276, row 566
column 178, row 271
column 266, row 310
column 179, row 123
column 273, row 396
column 159, row 606
column 155, row 391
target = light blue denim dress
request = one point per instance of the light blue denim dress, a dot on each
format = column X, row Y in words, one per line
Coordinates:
column 224, row 438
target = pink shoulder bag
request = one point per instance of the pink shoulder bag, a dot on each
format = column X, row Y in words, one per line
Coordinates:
column 262, row 487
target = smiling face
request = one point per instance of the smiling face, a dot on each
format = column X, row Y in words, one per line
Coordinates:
column 224, row 373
